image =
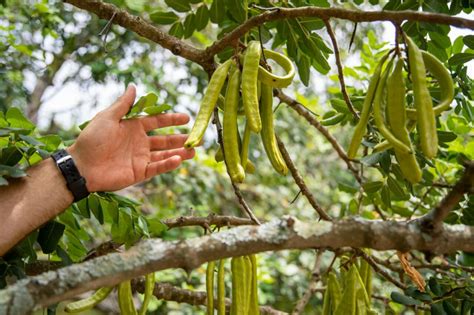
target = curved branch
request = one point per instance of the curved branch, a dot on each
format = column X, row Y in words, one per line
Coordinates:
column 340, row 71
column 302, row 111
column 433, row 220
column 345, row 14
column 205, row 57
column 143, row 28
column 300, row 182
column 168, row 292
column 285, row 233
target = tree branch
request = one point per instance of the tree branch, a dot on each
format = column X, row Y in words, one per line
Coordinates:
column 205, row 57
column 206, row 222
column 312, row 287
column 145, row 29
column 325, row 13
column 300, row 182
column 433, row 220
column 168, row 292
column 340, row 72
column 302, row 111
column 285, row 233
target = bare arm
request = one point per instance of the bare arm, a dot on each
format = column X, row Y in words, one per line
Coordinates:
column 110, row 154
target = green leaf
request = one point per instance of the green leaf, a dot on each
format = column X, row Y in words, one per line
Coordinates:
column 304, row 69
column 385, row 195
column 441, row 40
column 446, row 136
column 202, row 17
column 10, row 156
column 163, row 18
column 3, row 181
column 217, row 11
column 449, row 308
column 10, row 171
column 143, row 102
column 95, row 207
column 156, row 227
column 137, row 5
column 179, row 5
column 403, row 299
column 51, row 142
column 435, row 287
column 339, row 105
column 460, row 59
column 372, row 159
column 469, row 41
column 49, row 236
column 155, row 110
column 189, row 25
column 396, row 190
column 177, row 30
column 237, row 9
column 372, row 187
column 16, row 119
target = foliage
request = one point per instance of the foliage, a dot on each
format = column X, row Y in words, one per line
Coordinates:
column 201, row 186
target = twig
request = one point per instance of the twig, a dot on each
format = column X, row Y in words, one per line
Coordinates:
column 300, row 182
column 340, row 71
column 354, row 31
column 211, row 219
column 168, row 292
column 433, row 220
column 237, row 191
column 379, row 270
column 312, row 287
column 105, row 31
column 302, row 111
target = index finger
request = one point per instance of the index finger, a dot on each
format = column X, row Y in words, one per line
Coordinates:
column 163, row 120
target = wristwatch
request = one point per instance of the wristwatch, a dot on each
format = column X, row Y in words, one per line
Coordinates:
column 74, row 181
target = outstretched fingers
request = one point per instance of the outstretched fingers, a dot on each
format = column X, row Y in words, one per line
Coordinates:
column 167, row 142
column 185, row 154
column 167, row 165
column 163, row 120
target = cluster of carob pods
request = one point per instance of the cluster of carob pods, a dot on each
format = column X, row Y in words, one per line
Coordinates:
column 254, row 86
column 386, row 96
column 244, row 286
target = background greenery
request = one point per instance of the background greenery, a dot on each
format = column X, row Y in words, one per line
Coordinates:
column 46, row 44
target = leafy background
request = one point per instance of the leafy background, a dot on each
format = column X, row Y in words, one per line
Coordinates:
column 47, row 47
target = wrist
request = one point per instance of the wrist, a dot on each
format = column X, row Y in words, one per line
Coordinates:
column 82, row 166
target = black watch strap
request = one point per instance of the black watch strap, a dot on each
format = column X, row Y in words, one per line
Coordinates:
column 74, row 181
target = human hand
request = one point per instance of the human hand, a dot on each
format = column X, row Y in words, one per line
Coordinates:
column 112, row 153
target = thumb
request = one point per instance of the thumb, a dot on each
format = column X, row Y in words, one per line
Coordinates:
column 123, row 103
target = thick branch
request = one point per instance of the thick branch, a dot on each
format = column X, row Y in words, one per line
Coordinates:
column 325, row 13
column 302, row 111
column 285, row 233
column 433, row 220
column 143, row 28
column 300, row 182
column 205, row 57
column 168, row 292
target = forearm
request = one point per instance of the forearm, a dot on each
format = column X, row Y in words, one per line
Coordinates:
column 29, row 202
